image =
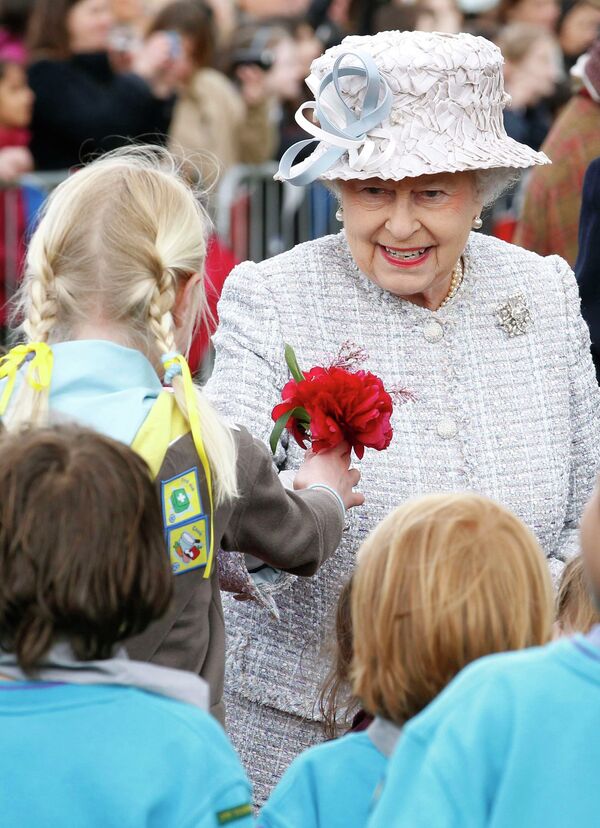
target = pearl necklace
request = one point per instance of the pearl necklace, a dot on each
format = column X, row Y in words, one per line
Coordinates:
column 455, row 283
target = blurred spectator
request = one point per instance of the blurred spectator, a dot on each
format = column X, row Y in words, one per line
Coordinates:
column 129, row 20
column 261, row 9
column 214, row 125
column 544, row 13
column 14, row 19
column 587, row 267
column 550, row 216
column 82, row 105
column 404, row 18
column 16, row 102
column 531, row 71
column 446, row 16
column 578, row 28
column 271, row 46
column 225, row 17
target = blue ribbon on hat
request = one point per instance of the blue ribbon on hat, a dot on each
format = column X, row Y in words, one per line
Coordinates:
column 353, row 136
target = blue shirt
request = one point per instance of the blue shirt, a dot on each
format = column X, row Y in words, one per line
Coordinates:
column 330, row 785
column 116, row 757
column 513, row 742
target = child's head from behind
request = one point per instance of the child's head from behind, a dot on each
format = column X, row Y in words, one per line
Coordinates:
column 121, row 245
column 575, row 610
column 16, row 98
column 82, row 555
column 119, row 255
column 442, row 581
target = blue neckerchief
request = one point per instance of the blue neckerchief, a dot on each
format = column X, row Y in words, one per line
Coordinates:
column 103, row 385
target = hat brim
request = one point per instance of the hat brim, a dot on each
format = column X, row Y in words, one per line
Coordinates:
column 428, row 159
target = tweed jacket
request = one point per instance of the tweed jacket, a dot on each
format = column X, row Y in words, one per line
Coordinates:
column 516, row 418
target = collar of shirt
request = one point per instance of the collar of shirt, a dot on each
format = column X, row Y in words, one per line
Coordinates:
column 103, row 385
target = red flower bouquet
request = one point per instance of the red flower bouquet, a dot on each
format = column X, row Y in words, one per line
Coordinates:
column 326, row 406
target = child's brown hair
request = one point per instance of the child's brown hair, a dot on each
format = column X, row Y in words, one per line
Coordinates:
column 575, row 610
column 442, row 581
column 336, row 703
column 82, row 554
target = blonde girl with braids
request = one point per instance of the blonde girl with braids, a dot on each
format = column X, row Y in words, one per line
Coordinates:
column 112, row 291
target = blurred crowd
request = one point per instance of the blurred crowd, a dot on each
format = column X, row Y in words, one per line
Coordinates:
column 220, row 81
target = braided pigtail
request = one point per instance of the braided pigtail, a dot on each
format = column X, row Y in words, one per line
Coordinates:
column 216, row 437
column 39, row 311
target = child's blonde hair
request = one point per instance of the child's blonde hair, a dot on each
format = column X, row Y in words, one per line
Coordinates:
column 115, row 245
column 442, row 581
column 575, row 610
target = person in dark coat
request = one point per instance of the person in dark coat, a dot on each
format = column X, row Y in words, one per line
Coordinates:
column 587, row 267
column 83, row 107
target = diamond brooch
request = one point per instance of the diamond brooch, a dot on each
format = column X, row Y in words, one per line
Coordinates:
column 514, row 316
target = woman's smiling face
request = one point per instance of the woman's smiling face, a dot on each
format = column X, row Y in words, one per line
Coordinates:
column 407, row 236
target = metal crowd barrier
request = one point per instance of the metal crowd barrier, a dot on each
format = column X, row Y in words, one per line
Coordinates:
column 259, row 218
column 19, row 203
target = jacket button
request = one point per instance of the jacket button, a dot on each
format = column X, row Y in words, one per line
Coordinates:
column 447, row 428
column 433, row 331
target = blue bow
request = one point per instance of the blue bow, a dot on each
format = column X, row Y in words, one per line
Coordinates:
column 353, row 136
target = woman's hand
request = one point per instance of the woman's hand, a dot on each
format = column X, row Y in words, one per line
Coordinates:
column 156, row 63
column 331, row 468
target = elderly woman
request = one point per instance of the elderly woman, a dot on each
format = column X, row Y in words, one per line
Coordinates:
column 487, row 337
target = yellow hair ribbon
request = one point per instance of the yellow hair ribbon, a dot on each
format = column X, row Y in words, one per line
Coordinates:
column 38, row 373
column 177, row 364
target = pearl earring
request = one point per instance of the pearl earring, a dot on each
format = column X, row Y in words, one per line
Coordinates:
column 340, row 214
column 477, row 223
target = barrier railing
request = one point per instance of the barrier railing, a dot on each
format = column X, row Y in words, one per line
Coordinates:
column 259, row 218
column 19, row 204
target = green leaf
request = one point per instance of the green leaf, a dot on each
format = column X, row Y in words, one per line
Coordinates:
column 292, row 363
column 298, row 413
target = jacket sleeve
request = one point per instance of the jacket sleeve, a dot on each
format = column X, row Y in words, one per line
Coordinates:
column 250, row 368
column 584, row 402
column 293, row 531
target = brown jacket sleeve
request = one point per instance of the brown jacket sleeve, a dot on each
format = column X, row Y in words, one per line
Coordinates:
column 293, row 531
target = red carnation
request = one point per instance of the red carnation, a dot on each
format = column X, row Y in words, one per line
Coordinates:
column 330, row 405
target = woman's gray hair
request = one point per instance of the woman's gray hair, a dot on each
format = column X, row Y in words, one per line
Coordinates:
column 492, row 183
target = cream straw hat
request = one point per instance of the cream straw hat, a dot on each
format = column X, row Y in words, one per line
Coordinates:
column 401, row 104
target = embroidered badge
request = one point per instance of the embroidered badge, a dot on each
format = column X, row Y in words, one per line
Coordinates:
column 181, row 498
column 233, row 814
column 188, row 545
column 514, row 316
column 185, row 522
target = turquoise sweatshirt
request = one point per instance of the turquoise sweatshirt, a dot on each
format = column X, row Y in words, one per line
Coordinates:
column 513, row 742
